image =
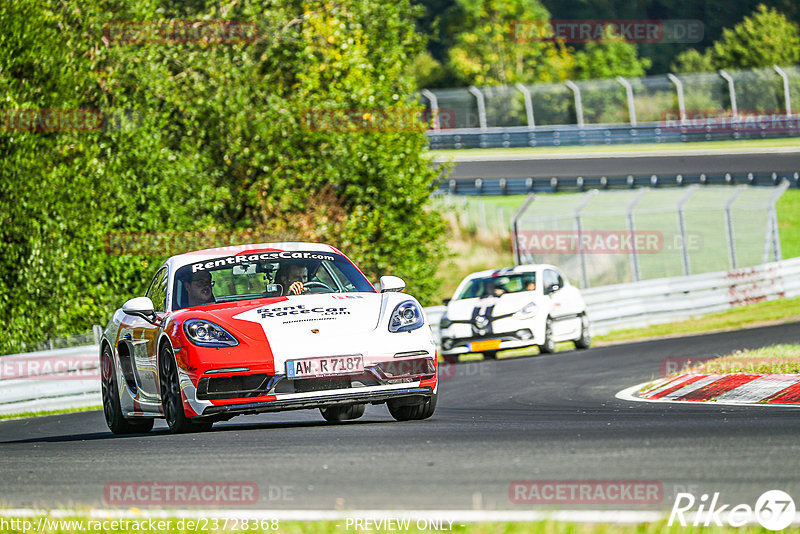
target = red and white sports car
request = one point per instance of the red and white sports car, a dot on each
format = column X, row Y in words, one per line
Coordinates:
column 263, row 328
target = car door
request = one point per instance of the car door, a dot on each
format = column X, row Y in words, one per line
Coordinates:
column 553, row 288
column 144, row 337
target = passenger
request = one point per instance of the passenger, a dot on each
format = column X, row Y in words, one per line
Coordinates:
column 531, row 285
column 198, row 289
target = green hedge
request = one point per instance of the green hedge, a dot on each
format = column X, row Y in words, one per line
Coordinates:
column 221, row 141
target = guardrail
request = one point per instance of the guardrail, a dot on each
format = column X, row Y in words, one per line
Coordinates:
column 561, row 184
column 68, row 378
column 603, row 134
column 50, row 380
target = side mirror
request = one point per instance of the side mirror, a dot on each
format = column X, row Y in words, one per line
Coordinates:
column 392, row 283
column 552, row 289
column 445, row 302
column 140, row 307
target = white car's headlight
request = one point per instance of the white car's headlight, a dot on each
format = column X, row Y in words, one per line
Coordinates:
column 528, row 311
column 406, row 316
column 444, row 322
column 208, row 334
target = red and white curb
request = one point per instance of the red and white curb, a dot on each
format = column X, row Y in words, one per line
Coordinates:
column 752, row 389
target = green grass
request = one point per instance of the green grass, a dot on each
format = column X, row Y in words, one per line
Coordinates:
column 709, row 145
column 760, row 313
column 323, row 527
column 788, row 209
column 775, row 359
column 49, row 412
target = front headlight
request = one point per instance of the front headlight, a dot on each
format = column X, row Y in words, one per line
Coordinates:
column 405, row 317
column 444, row 322
column 528, row 311
column 208, row 334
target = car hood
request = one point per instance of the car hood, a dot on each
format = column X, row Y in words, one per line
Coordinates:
column 462, row 310
column 317, row 325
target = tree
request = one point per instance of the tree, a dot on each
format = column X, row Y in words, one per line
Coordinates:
column 763, row 39
column 226, row 140
column 500, row 42
column 692, row 61
column 610, row 57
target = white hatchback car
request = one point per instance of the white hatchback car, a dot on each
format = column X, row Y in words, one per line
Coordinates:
column 513, row 307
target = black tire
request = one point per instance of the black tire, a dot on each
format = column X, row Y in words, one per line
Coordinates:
column 585, row 340
column 490, row 355
column 413, row 412
column 549, row 346
column 343, row 413
column 171, row 399
column 112, row 410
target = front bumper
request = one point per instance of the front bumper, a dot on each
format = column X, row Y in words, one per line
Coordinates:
column 503, row 345
column 321, row 399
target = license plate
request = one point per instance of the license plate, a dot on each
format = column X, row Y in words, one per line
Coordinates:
column 489, row 344
column 327, row 366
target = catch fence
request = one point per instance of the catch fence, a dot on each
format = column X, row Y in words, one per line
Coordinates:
column 611, row 237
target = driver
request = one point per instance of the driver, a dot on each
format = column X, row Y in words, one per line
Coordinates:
column 293, row 279
column 494, row 289
column 198, row 288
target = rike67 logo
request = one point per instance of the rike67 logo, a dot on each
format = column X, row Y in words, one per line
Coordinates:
column 774, row 510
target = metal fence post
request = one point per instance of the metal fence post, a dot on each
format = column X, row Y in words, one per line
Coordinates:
column 731, row 92
column 631, row 228
column 576, row 91
column 772, row 225
column 681, row 102
column 787, row 96
column 682, row 228
column 434, row 108
column 729, row 226
column 481, row 105
column 515, row 227
column 629, row 94
column 526, row 94
column 581, row 255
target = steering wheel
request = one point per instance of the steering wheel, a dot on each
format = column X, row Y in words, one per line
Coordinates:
column 311, row 284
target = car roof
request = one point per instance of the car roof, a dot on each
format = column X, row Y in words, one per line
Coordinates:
column 528, row 268
column 198, row 256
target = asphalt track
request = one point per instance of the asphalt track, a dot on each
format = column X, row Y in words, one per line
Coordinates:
column 624, row 163
column 550, row 417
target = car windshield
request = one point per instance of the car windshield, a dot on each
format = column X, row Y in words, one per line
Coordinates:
column 265, row 274
column 499, row 285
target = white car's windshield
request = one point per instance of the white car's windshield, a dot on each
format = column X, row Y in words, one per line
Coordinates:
column 499, row 285
column 259, row 275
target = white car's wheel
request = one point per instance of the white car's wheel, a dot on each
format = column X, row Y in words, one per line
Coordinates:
column 585, row 340
column 549, row 345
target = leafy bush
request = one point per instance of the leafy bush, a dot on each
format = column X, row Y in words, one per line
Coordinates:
column 203, row 137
